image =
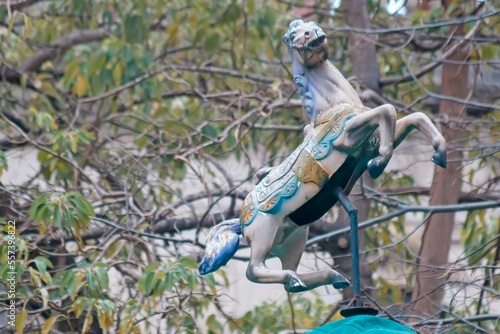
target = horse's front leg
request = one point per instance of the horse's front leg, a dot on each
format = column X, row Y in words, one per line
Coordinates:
column 290, row 252
column 359, row 128
column 422, row 122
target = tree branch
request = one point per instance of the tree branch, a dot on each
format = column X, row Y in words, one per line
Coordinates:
column 62, row 45
column 424, row 191
column 447, row 321
column 21, row 4
column 420, row 27
column 218, row 70
column 405, row 209
column 431, row 66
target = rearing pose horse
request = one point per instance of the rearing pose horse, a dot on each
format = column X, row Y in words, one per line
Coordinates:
column 344, row 140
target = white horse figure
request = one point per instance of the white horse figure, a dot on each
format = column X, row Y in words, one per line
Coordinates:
column 344, row 140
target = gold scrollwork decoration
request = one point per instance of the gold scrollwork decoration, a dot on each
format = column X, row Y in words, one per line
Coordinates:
column 307, row 169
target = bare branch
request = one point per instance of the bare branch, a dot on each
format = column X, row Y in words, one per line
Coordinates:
column 445, row 23
column 21, row 4
column 218, row 70
column 405, row 209
column 424, row 191
column 431, row 66
column 476, row 318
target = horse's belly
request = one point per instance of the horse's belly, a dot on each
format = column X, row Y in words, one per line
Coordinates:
column 280, row 205
column 305, row 192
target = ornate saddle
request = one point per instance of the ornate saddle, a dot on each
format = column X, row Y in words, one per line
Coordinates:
column 302, row 166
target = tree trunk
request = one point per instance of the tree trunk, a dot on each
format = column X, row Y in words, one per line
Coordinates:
column 445, row 189
column 363, row 56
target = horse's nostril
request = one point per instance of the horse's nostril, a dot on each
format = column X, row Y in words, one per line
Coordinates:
column 307, row 34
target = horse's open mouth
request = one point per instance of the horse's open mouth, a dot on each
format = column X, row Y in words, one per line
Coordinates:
column 317, row 43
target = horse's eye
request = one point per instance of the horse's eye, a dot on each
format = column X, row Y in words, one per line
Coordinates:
column 292, row 36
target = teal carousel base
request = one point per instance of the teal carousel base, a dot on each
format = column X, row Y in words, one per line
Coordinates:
column 365, row 324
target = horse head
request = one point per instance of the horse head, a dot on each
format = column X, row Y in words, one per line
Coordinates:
column 306, row 42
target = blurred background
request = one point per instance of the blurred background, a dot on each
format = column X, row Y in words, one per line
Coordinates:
column 129, row 128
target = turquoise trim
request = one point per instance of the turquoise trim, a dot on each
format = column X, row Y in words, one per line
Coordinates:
column 281, row 194
column 325, row 143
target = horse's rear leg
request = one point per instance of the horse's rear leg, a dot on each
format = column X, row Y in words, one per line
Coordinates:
column 262, row 234
column 421, row 122
column 359, row 127
column 290, row 253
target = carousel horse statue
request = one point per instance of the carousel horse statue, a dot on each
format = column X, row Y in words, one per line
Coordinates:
column 343, row 141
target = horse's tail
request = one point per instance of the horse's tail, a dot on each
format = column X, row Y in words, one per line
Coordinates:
column 222, row 242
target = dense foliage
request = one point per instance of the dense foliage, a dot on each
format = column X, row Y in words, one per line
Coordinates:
column 134, row 108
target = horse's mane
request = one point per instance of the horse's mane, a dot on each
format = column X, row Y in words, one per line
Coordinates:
column 299, row 75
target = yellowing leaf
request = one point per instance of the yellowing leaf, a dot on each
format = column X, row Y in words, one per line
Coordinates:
column 385, row 238
column 117, row 74
column 172, row 32
column 72, row 69
column 77, row 232
column 48, row 88
column 397, row 295
column 45, row 296
column 80, row 88
column 251, row 6
column 20, row 321
column 270, row 53
column 28, row 25
column 11, row 21
column 87, row 323
column 48, row 325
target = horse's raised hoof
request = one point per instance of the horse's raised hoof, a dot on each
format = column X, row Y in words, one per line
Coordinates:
column 296, row 285
column 439, row 158
column 376, row 167
column 340, row 282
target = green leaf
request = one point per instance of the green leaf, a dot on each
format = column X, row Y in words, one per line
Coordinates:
column 42, row 263
column 231, row 14
column 214, row 325
column 212, row 42
column 188, row 262
column 68, row 275
column 90, row 280
column 102, row 276
column 3, row 162
column 169, row 279
column 152, row 267
column 135, row 29
column 209, row 131
column 58, row 216
column 148, row 285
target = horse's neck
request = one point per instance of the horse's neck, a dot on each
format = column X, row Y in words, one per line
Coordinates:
column 323, row 87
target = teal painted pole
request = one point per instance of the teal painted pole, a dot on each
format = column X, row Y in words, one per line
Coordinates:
column 356, row 284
